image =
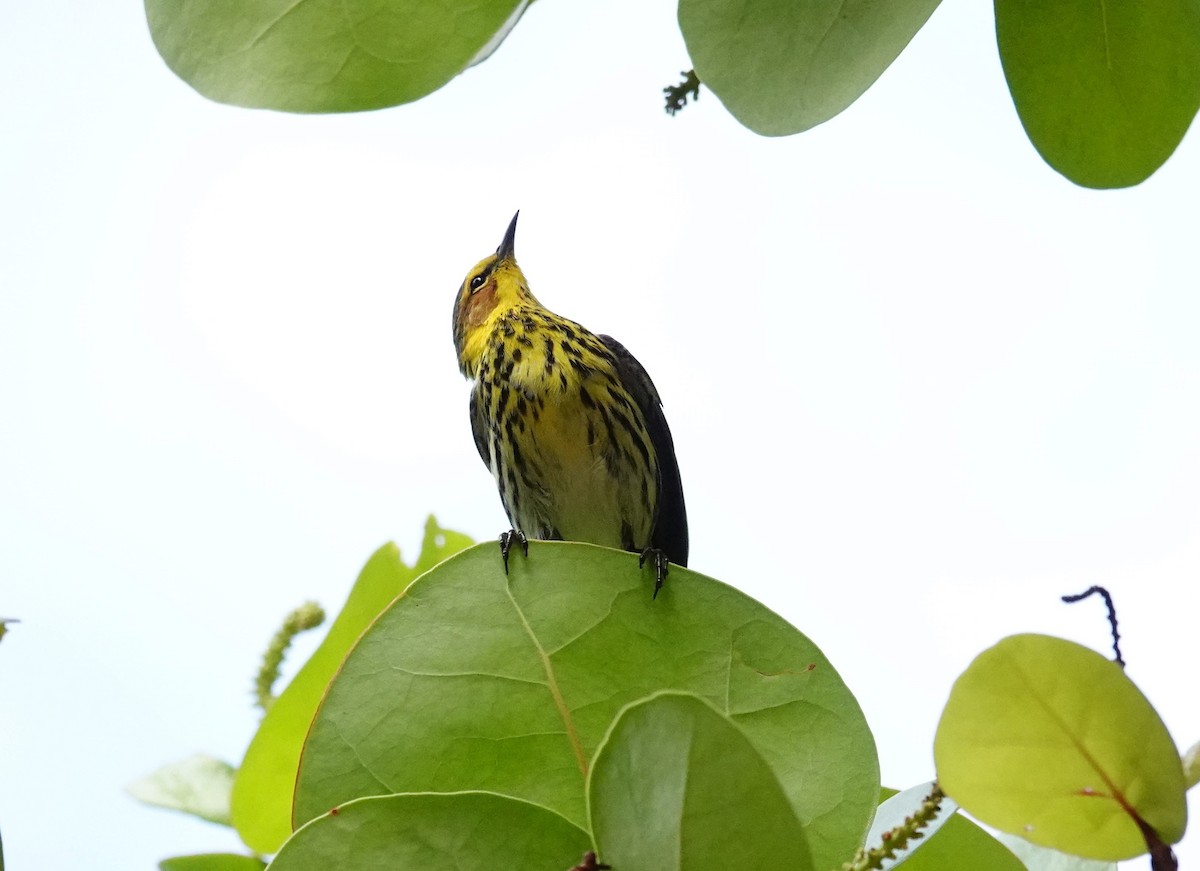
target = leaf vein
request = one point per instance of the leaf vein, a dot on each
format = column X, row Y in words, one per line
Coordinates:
column 552, row 685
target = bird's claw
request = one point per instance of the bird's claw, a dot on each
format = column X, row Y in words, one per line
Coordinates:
column 660, row 566
column 506, row 543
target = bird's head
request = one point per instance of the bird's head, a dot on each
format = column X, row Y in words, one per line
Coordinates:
column 493, row 288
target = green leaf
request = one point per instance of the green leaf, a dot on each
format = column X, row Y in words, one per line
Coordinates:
column 1105, row 90
column 323, row 55
column 677, row 785
column 199, row 785
column 212, row 862
column 960, row 844
column 1047, row 739
column 1036, row 858
column 783, row 66
column 466, row 831
column 262, row 794
column 475, row 680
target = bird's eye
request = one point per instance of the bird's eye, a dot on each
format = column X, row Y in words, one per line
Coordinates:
column 476, row 282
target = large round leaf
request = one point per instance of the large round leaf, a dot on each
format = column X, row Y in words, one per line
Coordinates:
column 783, row 66
column 323, row 55
column 1049, row 740
column 677, row 785
column 430, row 832
column 475, row 680
column 1105, row 90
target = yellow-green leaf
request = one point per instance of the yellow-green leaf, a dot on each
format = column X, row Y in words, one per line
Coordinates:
column 212, row 862
column 1049, row 740
column 262, row 793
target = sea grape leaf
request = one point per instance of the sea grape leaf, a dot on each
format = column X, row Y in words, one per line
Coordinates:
column 477, row 680
column 262, row 793
column 324, row 55
column 1047, row 739
column 466, row 831
column 960, row 844
column 199, row 785
column 677, row 785
column 212, row 862
column 783, row 66
column 1105, row 90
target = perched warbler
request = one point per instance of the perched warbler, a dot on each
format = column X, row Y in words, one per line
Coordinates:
column 569, row 423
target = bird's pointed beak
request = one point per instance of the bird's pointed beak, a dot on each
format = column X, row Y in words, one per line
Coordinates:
column 507, row 249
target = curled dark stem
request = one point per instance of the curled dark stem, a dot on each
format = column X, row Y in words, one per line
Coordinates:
column 1112, row 617
column 677, row 95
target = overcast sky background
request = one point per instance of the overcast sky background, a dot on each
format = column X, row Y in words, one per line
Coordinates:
column 920, row 384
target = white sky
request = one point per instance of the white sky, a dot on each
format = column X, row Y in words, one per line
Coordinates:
column 920, row 385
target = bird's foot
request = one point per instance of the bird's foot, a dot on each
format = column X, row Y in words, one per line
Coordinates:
column 506, row 542
column 660, row 566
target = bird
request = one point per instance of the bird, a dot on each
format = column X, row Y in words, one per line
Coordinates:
column 568, row 422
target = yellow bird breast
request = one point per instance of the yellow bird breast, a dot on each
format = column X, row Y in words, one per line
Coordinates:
column 567, row 444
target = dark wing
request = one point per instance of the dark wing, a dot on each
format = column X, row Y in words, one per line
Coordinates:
column 479, row 429
column 670, row 528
